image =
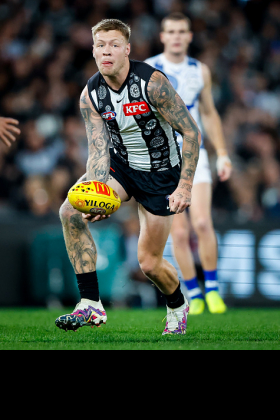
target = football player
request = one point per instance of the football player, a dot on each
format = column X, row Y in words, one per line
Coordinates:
column 135, row 107
column 192, row 81
column 8, row 131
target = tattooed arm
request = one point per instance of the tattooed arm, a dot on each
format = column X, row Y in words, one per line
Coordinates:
column 170, row 105
column 98, row 165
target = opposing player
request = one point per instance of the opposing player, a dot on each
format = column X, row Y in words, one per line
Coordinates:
column 8, row 131
column 134, row 106
column 192, row 81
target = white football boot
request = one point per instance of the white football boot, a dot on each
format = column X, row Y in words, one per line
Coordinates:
column 177, row 320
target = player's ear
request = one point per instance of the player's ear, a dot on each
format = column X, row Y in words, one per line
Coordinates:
column 190, row 36
column 161, row 37
column 128, row 50
column 93, row 51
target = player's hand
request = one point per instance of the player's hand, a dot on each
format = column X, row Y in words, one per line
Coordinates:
column 181, row 198
column 8, row 131
column 224, row 167
column 93, row 219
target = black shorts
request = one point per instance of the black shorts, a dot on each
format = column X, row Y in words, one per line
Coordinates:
column 150, row 189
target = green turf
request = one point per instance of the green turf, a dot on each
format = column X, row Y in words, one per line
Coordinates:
column 239, row 329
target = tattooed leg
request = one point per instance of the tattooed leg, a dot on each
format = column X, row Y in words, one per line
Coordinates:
column 78, row 239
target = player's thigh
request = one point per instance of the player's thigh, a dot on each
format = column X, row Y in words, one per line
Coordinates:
column 200, row 210
column 113, row 183
column 154, row 232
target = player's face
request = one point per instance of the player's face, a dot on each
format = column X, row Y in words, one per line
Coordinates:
column 176, row 37
column 87, row 263
column 110, row 51
column 74, row 231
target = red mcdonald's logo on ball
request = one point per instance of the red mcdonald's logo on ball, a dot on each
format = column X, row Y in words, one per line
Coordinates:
column 136, row 108
column 101, row 188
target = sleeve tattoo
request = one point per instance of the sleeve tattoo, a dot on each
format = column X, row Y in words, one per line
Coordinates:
column 98, row 165
column 170, row 105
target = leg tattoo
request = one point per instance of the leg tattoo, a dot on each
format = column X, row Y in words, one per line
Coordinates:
column 79, row 242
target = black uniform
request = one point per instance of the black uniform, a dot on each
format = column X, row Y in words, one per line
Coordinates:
column 145, row 158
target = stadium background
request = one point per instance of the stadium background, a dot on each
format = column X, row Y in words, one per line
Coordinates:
column 45, row 62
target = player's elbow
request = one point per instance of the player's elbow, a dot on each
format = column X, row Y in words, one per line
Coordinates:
column 98, row 168
column 195, row 135
column 192, row 132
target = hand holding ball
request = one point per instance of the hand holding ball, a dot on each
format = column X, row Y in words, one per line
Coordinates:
column 95, row 198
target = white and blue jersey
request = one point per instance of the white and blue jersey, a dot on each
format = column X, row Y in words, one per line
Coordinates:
column 187, row 80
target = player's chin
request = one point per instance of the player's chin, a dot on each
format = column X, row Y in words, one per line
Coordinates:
column 108, row 71
column 178, row 50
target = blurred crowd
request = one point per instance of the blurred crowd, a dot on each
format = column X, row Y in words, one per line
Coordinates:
column 46, row 60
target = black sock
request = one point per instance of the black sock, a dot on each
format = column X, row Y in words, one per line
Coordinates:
column 176, row 299
column 88, row 286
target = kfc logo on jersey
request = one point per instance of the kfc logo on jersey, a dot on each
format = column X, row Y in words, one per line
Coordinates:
column 136, row 108
column 109, row 116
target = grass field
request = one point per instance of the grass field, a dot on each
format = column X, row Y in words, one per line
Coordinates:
column 239, row 329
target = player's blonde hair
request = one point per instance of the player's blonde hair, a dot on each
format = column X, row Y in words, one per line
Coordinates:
column 176, row 16
column 107, row 25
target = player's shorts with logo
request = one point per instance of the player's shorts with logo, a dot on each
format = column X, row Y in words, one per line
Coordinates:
column 150, row 189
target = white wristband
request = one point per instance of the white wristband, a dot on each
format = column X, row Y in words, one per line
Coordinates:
column 222, row 161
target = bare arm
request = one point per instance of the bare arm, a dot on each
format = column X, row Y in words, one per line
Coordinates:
column 98, row 165
column 170, row 105
column 8, row 130
column 213, row 125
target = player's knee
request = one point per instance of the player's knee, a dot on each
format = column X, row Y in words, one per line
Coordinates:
column 203, row 226
column 66, row 211
column 149, row 265
column 180, row 238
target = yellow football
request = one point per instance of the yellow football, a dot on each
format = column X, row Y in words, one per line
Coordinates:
column 94, row 197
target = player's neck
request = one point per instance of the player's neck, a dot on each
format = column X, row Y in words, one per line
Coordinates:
column 115, row 82
column 174, row 58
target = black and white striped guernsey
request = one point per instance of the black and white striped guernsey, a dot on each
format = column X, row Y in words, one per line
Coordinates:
column 140, row 135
